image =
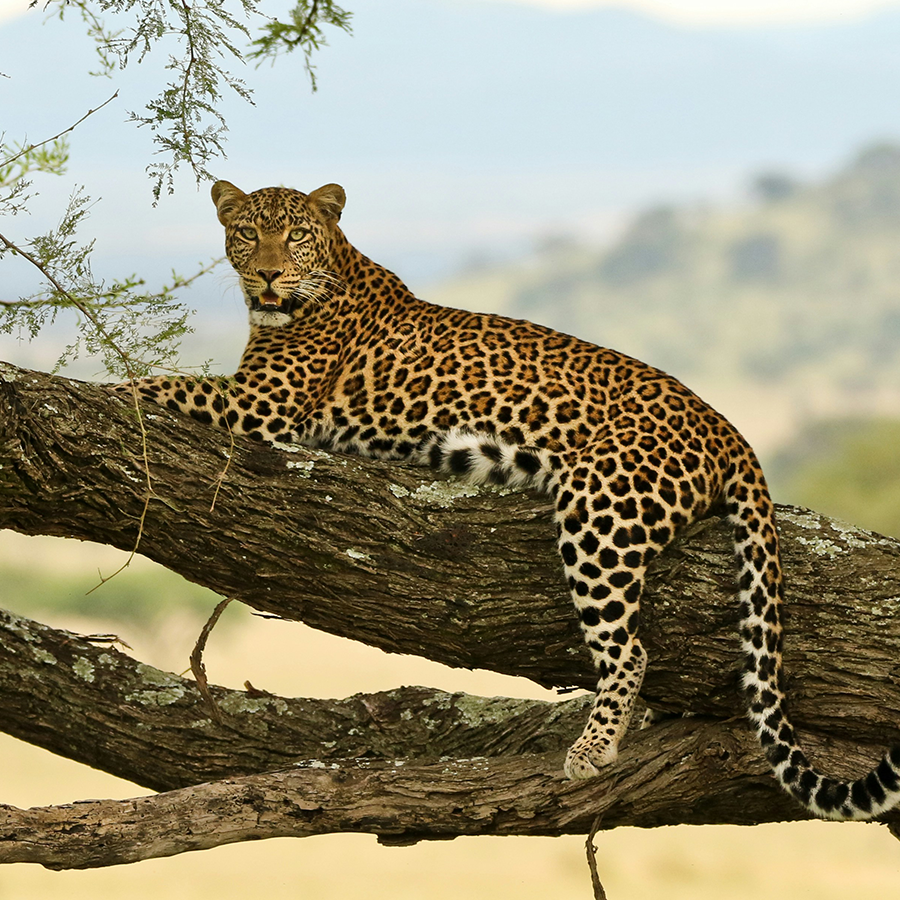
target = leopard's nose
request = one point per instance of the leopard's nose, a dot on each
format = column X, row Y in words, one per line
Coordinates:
column 269, row 275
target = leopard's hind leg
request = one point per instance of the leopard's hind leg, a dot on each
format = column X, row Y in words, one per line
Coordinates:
column 610, row 525
column 612, row 517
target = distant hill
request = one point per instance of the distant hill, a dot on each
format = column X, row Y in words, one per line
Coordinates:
column 799, row 287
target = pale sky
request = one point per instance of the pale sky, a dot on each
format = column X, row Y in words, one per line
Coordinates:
column 695, row 12
column 733, row 12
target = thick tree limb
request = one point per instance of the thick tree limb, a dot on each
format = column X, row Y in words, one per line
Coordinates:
column 400, row 801
column 388, row 555
column 393, row 557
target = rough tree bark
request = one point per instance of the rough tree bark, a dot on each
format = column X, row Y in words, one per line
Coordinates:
column 396, row 558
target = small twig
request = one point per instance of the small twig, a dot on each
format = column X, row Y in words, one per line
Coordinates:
column 591, row 851
column 23, row 304
column 177, row 284
column 220, row 478
column 313, row 12
column 104, row 639
column 197, row 666
column 30, row 147
column 185, row 83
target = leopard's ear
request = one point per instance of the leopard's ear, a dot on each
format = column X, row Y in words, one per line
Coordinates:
column 330, row 200
column 227, row 198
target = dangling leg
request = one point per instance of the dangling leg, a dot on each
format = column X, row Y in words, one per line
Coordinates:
column 617, row 692
column 606, row 540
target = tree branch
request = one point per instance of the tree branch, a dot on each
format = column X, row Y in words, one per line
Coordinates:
column 407, row 765
column 30, row 148
column 396, row 558
column 403, row 560
column 99, row 706
column 399, row 801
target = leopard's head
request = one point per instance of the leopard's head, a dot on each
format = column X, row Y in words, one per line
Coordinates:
column 279, row 242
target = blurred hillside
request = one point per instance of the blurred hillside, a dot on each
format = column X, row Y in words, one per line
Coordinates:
column 796, row 289
column 518, row 116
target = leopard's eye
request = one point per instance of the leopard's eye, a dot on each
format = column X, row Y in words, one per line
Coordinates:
column 299, row 234
column 248, row 234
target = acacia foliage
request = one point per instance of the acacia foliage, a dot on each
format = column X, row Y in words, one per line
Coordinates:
column 131, row 328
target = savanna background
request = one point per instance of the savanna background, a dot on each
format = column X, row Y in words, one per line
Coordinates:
column 713, row 187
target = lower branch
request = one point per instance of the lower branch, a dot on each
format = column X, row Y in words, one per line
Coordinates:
column 99, row 706
column 689, row 771
column 406, row 765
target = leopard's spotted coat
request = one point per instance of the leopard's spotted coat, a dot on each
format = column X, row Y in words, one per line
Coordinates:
column 342, row 356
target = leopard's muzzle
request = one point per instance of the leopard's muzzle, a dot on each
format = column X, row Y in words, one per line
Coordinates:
column 269, row 301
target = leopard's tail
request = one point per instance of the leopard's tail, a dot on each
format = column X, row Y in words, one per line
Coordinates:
column 751, row 512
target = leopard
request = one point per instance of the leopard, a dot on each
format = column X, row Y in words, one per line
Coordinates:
column 341, row 356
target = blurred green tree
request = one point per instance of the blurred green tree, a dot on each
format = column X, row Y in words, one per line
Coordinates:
column 848, row 469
